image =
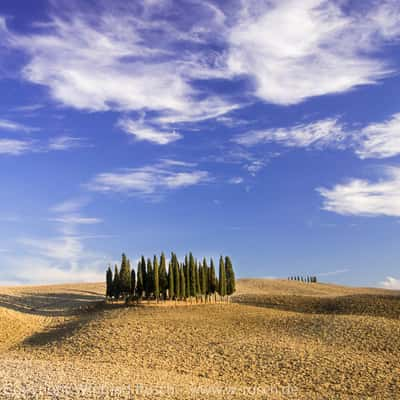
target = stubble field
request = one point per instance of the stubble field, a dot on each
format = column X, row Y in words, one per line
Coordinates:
column 276, row 340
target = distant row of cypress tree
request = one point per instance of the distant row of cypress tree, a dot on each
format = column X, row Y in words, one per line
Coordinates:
column 152, row 279
column 307, row 279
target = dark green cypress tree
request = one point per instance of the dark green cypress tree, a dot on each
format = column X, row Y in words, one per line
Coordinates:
column 222, row 278
column 212, row 282
column 140, row 283
column 201, row 278
column 198, row 280
column 149, row 279
column 171, row 292
column 204, row 278
column 230, row 277
column 156, row 278
column 109, row 282
column 163, row 276
column 133, row 282
column 187, row 276
column 183, row 282
column 192, row 273
column 116, row 283
column 125, row 277
column 144, row 277
column 177, row 276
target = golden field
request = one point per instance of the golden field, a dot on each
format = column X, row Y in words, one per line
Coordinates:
column 275, row 340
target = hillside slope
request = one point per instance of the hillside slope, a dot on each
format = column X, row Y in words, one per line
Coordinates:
column 245, row 350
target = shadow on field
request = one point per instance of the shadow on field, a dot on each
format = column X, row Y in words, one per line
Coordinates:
column 364, row 304
column 51, row 304
column 56, row 334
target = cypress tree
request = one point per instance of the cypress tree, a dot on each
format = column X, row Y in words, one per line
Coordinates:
column 163, row 276
column 144, row 277
column 116, row 283
column 140, row 283
column 149, row 283
column 177, row 288
column 212, row 278
column 192, row 269
column 198, row 283
column 133, row 281
column 222, row 278
column 187, row 276
column 125, row 276
column 156, row 278
column 109, row 282
column 204, row 277
column 230, row 277
column 183, row 282
column 171, row 292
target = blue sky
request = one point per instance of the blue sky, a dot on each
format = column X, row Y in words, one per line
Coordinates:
column 266, row 130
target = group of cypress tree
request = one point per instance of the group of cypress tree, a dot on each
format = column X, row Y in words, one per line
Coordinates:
column 180, row 281
column 307, row 279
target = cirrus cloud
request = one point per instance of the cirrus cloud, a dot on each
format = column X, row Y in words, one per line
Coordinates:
column 149, row 181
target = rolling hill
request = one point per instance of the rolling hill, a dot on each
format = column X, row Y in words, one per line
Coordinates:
column 280, row 339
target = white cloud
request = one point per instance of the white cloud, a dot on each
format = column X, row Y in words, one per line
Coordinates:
column 255, row 166
column 28, row 108
column 36, row 270
column 380, row 140
column 148, row 180
column 390, row 283
column 319, row 133
column 69, row 206
column 374, row 140
column 66, row 248
column 138, row 66
column 299, row 49
column 63, row 257
column 76, row 220
column 65, row 143
column 8, row 125
column 148, row 133
column 15, row 147
column 361, row 197
column 69, row 217
column 332, row 273
column 236, row 180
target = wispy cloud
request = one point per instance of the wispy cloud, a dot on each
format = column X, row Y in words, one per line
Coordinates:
column 62, row 257
column 65, row 143
column 28, row 108
column 143, row 132
column 362, row 197
column 380, row 140
column 76, row 220
column 69, row 217
column 149, row 180
column 8, row 125
column 139, row 64
column 71, row 205
column 38, row 270
column 15, row 147
column 18, row 147
column 333, row 273
column 390, row 283
column 236, row 180
column 374, row 140
column 296, row 50
column 320, row 134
